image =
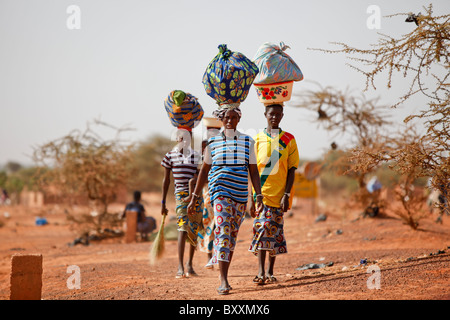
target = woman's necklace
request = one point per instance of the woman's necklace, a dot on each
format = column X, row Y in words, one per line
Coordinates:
column 229, row 144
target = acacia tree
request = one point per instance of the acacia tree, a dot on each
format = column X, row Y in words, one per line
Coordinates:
column 360, row 118
column 84, row 165
column 422, row 56
column 404, row 152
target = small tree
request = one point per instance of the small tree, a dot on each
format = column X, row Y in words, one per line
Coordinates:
column 404, row 152
column 82, row 164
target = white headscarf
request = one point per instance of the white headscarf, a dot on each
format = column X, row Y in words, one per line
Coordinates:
column 223, row 108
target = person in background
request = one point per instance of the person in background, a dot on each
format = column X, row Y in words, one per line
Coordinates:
column 145, row 225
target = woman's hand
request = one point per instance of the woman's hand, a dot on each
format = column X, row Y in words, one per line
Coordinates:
column 187, row 199
column 259, row 204
column 284, row 203
column 163, row 209
column 191, row 206
column 251, row 206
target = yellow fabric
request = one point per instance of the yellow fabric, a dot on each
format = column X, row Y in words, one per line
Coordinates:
column 283, row 154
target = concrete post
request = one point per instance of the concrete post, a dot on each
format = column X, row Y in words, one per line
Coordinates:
column 26, row 277
column 131, row 217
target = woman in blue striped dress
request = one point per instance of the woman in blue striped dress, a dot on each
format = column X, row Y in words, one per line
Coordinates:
column 229, row 160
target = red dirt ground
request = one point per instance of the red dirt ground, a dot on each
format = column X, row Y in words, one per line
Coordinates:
column 413, row 264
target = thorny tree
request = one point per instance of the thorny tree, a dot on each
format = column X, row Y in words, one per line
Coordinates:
column 361, row 118
column 422, row 56
column 83, row 165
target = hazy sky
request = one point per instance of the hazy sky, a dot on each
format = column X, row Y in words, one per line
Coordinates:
column 128, row 55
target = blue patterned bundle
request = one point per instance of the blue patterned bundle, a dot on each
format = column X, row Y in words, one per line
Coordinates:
column 229, row 76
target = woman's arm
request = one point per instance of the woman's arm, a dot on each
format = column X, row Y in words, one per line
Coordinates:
column 256, row 182
column 201, row 179
column 250, row 201
column 289, row 183
column 165, row 188
column 192, row 182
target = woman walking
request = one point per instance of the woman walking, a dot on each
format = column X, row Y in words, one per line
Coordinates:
column 182, row 163
column 229, row 160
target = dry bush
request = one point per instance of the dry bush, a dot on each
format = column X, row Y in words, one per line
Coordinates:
column 405, row 153
column 82, row 165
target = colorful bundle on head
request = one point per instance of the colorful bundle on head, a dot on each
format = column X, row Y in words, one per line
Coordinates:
column 229, row 76
column 183, row 109
column 277, row 72
column 275, row 65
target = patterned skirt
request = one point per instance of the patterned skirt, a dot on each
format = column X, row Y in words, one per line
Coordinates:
column 268, row 232
column 206, row 237
column 228, row 216
column 192, row 224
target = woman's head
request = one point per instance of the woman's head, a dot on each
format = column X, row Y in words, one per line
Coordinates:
column 274, row 114
column 183, row 138
column 231, row 119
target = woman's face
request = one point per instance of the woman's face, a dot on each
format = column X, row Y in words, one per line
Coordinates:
column 183, row 138
column 274, row 116
column 231, row 119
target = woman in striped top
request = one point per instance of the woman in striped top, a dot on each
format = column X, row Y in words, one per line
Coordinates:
column 229, row 159
column 183, row 162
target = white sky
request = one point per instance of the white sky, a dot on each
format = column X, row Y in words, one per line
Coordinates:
column 129, row 54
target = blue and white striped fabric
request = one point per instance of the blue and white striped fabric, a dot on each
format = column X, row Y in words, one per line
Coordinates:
column 228, row 176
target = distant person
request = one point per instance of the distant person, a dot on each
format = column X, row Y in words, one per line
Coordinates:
column 374, row 187
column 443, row 203
column 5, row 197
column 277, row 158
column 145, row 225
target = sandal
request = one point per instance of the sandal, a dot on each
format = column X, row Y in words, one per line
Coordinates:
column 180, row 275
column 259, row 280
column 191, row 274
column 223, row 291
column 271, row 279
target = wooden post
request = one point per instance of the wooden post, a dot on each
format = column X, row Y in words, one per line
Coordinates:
column 131, row 217
column 26, row 277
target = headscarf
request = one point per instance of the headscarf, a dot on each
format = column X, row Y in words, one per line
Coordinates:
column 222, row 109
column 183, row 109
